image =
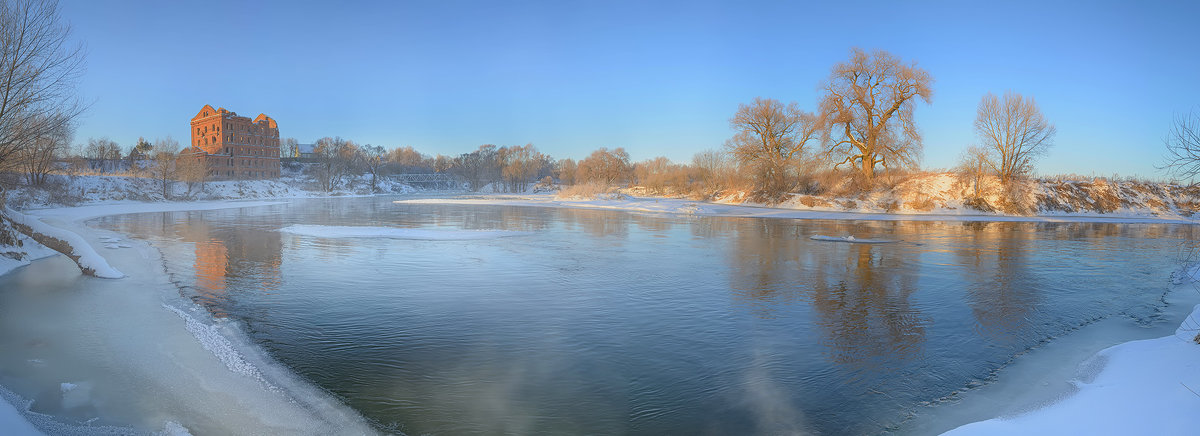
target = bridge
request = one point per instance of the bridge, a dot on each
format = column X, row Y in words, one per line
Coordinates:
column 430, row 180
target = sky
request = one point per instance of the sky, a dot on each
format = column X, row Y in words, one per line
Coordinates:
column 657, row 78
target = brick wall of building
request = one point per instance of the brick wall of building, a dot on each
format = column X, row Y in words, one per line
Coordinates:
column 236, row 147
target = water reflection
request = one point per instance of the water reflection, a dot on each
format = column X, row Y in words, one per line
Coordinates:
column 864, row 311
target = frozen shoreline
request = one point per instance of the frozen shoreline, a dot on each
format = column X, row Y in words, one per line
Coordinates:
column 675, row 206
column 72, row 218
column 152, row 360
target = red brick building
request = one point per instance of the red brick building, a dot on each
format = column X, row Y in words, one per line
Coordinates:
column 235, row 147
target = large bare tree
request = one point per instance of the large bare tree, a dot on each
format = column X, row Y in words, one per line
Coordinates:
column 868, row 107
column 39, row 67
column 770, row 141
column 1014, row 132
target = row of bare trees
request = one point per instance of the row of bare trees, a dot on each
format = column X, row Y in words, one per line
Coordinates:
column 39, row 68
column 865, row 120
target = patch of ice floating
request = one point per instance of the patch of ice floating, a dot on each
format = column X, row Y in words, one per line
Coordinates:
column 851, row 239
column 396, row 233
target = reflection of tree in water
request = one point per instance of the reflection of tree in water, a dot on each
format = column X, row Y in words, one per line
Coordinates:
column 1002, row 294
column 598, row 223
column 860, row 292
column 764, row 256
column 863, row 307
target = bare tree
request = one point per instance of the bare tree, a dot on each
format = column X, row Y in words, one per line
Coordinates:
column 1183, row 147
column 660, row 173
column 38, row 158
column 714, row 168
column 289, row 148
column 770, row 141
column 191, row 168
column 605, row 167
column 1014, row 133
column 371, row 157
column 974, row 163
column 566, row 170
column 868, row 108
column 38, row 71
column 478, row 168
column 162, row 167
column 519, row 166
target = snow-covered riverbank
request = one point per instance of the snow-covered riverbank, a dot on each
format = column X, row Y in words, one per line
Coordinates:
column 699, row 208
column 134, row 353
column 1148, row 386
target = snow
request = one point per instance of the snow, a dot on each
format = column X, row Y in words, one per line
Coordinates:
column 88, row 258
column 675, row 206
column 851, row 239
column 199, row 374
column 12, row 422
column 396, row 233
column 1139, row 387
column 13, row 257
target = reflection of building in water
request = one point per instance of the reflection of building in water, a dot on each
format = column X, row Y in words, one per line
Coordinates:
column 212, row 260
column 231, row 260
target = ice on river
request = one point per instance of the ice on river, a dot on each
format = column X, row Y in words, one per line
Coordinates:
column 396, row 233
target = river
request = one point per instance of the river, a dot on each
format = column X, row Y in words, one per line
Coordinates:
column 606, row 322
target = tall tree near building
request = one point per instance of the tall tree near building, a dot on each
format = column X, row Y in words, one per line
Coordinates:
column 334, row 158
column 868, row 110
column 191, row 168
column 1014, row 132
column 289, row 148
column 162, row 167
column 770, row 141
column 39, row 68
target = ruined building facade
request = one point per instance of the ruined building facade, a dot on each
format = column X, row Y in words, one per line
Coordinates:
column 233, row 146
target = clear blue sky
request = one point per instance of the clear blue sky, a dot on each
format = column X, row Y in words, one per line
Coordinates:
column 657, row 79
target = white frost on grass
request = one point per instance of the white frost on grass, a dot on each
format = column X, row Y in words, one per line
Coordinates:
column 88, row 257
column 851, row 239
column 1144, row 387
column 395, row 233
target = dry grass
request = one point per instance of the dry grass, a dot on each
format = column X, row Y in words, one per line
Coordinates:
column 811, row 201
column 921, row 204
column 585, row 191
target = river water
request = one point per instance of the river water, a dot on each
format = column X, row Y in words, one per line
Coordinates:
column 606, row 322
